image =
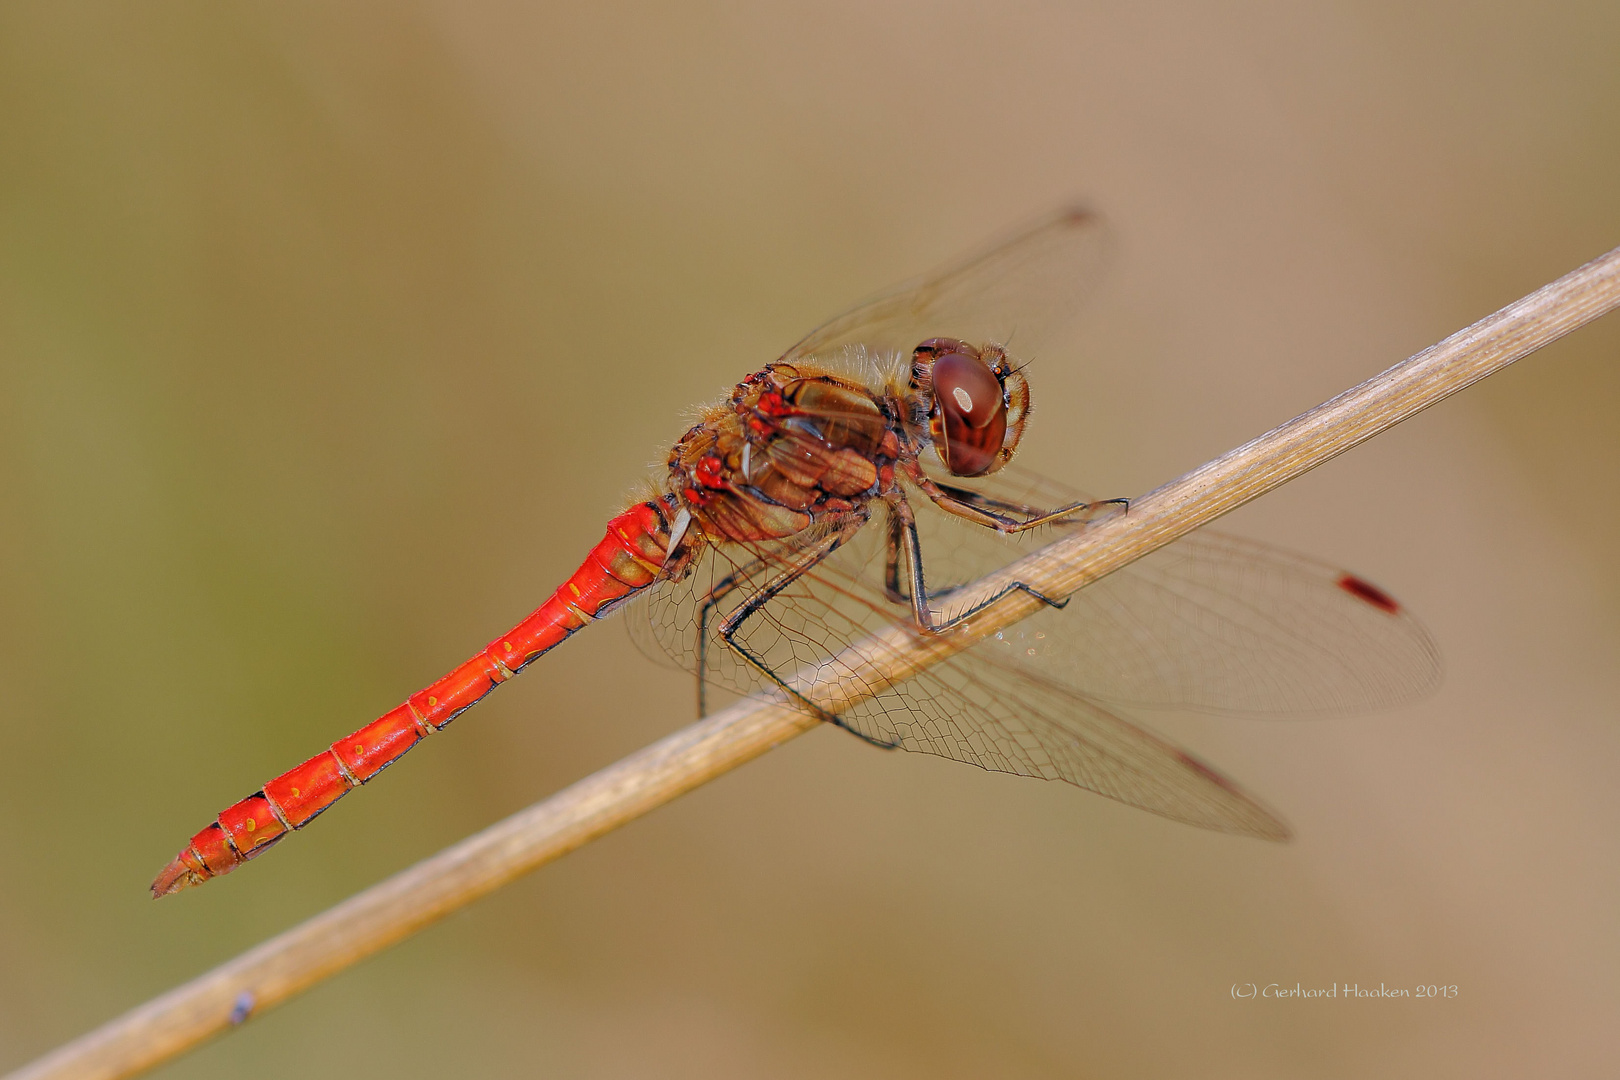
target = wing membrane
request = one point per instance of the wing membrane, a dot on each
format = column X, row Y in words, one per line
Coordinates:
column 1217, row 622
column 1211, row 621
column 978, row 707
column 977, row 710
column 1021, row 293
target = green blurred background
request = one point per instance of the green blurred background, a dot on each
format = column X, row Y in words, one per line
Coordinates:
column 329, row 337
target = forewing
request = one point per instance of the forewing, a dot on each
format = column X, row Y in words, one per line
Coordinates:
column 1211, row 621
column 1220, row 622
column 1020, row 293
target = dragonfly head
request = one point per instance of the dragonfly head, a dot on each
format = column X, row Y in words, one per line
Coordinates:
column 976, row 402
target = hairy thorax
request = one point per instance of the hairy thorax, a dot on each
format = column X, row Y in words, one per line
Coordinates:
column 790, row 448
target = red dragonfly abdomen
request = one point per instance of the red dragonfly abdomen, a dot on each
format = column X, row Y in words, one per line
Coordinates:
column 628, row 559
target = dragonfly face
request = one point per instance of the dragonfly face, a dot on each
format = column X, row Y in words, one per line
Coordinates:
column 975, row 401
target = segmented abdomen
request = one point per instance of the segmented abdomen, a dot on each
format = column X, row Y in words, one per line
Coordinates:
column 628, row 559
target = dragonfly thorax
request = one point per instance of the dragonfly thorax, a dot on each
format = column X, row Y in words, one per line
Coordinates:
column 791, row 447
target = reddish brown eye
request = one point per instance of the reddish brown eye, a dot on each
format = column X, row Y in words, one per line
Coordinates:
column 967, row 401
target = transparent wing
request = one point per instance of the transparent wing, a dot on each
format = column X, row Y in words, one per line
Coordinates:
column 1020, row 293
column 976, row 708
column 1219, row 622
column 1211, row 621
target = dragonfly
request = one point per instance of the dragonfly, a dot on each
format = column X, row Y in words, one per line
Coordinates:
column 866, row 478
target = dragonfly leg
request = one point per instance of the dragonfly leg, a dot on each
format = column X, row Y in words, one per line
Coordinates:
column 903, row 521
column 711, row 602
column 996, row 514
column 903, row 531
column 803, row 563
column 894, row 536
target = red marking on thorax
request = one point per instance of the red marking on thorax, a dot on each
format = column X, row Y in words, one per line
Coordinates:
column 1369, row 593
column 709, row 472
column 771, row 404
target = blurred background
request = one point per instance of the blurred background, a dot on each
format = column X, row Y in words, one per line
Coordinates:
column 330, row 337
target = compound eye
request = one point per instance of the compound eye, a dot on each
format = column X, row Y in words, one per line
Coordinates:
column 969, row 408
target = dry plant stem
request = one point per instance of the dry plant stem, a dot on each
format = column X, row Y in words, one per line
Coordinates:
column 385, row 913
